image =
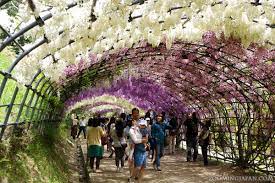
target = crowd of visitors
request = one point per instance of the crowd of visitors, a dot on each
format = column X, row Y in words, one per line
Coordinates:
column 133, row 138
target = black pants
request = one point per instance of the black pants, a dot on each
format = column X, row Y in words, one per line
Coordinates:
column 204, row 154
column 82, row 128
column 191, row 143
column 119, row 152
column 92, row 160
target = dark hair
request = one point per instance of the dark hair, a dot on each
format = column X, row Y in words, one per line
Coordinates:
column 129, row 123
column 90, row 122
column 112, row 120
column 119, row 128
column 123, row 116
column 151, row 122
column 147, row 115
column 135, row 109
column 96, row 122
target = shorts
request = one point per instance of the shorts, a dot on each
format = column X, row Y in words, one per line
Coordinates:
column 95, row 151
column 140, row 159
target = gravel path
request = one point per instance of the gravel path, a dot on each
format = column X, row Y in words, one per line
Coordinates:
column 175, row 169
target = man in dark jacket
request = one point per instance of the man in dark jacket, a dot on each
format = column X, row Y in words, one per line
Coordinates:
column 191, row 124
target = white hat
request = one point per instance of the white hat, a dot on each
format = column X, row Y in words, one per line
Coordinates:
column 142, row 122
column 147, row 119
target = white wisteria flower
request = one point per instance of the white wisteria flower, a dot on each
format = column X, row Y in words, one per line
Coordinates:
column 156, row 20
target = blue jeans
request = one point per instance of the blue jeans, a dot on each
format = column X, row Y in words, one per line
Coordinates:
column 140, row 159
column 160, row 150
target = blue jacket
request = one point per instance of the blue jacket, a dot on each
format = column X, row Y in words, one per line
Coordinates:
column 158, row 132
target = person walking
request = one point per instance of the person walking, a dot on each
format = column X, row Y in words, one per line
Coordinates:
column 158, row 133
column 119, row 143
column 204, row 140
column 150, row 139
column 110, row 140
column 74, row 125
column 82, row 127
column 95, row 150
column 191, row 135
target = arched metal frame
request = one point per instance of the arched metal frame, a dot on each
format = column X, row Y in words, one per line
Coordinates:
column 243, row 108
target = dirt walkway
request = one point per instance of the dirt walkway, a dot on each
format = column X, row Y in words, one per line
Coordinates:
column 175, row 169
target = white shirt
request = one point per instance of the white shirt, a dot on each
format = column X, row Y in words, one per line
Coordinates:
column 135, row 135
column 75, row 121
column 82, row 122
column 135, row 138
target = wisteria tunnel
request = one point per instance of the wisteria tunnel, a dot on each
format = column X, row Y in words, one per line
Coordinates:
column 212, row 57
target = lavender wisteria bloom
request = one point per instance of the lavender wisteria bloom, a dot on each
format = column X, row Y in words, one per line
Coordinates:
column 144, row 93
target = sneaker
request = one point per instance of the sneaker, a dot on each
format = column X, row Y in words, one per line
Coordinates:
column 117, row 169
column 158, row 169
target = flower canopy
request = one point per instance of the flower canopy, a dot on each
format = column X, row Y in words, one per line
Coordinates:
column 141, row 92
column 75, row 31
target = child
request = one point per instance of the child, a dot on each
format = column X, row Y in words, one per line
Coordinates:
column 144, row 131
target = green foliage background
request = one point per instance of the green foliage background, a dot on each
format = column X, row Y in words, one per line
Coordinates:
column 34, row 158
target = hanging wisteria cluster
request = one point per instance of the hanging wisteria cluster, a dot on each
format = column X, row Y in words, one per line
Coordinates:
column 97, row 101
column 142, row 92
column 213, row 71
column 111, row 25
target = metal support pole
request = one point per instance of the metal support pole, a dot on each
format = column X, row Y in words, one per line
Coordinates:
column 22, row 105
column 8, row 113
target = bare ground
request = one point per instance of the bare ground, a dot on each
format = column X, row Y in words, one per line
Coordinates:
column 175, row 169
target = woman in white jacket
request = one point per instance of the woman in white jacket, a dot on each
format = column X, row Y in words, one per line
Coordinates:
column 136, row 157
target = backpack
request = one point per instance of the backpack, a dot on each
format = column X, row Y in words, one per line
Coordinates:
column 204, row 141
